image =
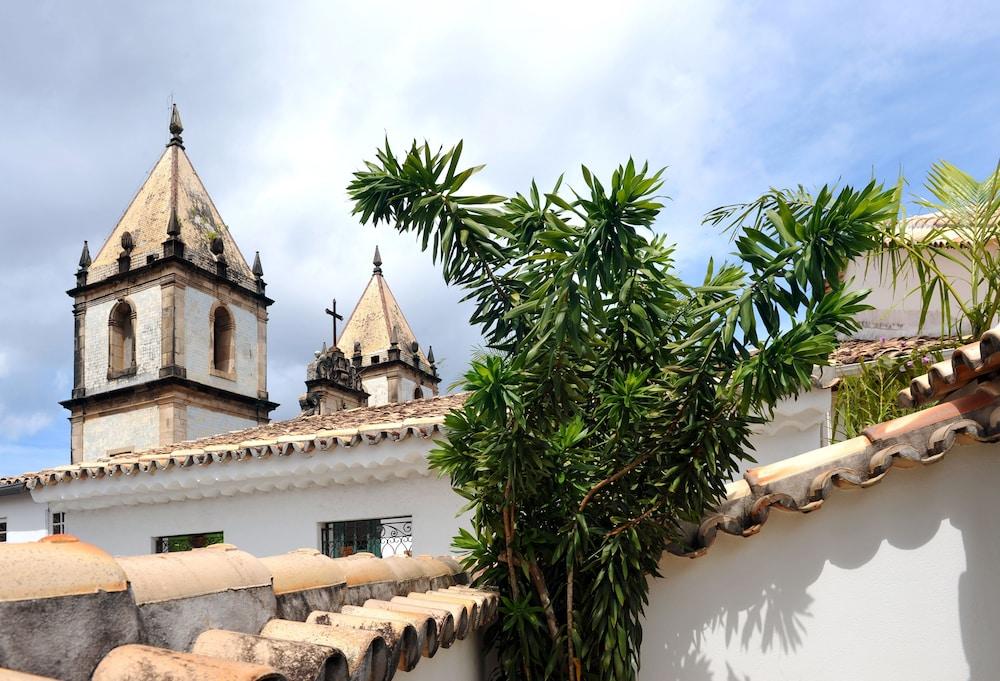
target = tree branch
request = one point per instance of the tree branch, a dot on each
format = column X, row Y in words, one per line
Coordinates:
column 543, row 595
column 638, row 519
column 508, row 536
column 635, row 463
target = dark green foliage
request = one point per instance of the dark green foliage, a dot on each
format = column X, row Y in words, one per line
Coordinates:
column 618, row 399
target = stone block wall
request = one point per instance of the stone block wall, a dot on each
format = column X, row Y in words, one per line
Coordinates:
column 203, row 422
column 138, row 429
column 148, row 320
column 377, row 389
column 197, row 343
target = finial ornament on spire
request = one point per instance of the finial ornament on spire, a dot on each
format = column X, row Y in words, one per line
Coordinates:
column 176, row 128
column 377, row 261
column 258, row 269
column 174, row 225
column 85, row 257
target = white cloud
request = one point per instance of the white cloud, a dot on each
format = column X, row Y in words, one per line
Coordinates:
column 19, row 424
column 282, row 102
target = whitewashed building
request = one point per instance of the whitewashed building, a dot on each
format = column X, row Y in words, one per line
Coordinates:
column 173, row 450
column 352, row 481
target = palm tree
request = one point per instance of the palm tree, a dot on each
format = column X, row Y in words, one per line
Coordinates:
column 950, row 256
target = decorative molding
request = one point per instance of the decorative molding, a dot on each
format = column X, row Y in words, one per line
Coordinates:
column 295, row 462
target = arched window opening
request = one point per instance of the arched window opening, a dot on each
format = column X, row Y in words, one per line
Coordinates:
column 223, row 351
column 418, row 393
column 121, row 340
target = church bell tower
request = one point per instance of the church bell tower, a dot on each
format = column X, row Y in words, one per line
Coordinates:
column 170, row 332
column 386, row 363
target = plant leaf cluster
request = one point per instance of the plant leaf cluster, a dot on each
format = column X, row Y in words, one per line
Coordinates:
column 953, row 262
column 616, row 400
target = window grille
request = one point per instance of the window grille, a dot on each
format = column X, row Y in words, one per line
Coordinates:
column 380, row 536
column 3, row 530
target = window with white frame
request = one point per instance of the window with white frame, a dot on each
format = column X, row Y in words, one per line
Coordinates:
column 57, row 525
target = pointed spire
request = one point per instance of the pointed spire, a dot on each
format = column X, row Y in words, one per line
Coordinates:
column 430, row 354
column 258, row 270
column 175, row 128
column 394, row 336
column 377, row 261
column 85, row 261
column 85, row 257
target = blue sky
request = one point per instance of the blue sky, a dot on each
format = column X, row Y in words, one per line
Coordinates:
column 282, row 101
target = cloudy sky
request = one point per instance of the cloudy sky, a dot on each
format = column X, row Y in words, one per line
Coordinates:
column 281, row 101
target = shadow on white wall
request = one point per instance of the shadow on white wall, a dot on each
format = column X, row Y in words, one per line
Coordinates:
column 897, row 581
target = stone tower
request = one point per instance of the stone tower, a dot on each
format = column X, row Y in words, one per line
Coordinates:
column 382, row 349
column 170, row 335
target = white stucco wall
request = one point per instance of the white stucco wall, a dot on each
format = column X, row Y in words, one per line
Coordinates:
column 461, row 662
column 197, row 347
column 148, row 320
column 26, row 520
column 203, row 422
column 897, row 310
column 377, row 389
column 264, row 506
column 898, row 581
column 138, row 429
column 406, row 388
column 798, row 426
column 275, row 522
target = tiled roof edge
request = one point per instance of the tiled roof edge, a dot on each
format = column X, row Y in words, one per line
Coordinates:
column 325, row 440
column 966, row 364
column 802, row 483
column 218, row 612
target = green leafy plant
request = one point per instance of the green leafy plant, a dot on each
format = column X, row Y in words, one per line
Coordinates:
column 871, row 395
column 953, row 259
column 616, row 400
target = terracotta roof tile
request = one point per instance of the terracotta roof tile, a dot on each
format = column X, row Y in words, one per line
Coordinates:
column 358, row 638
column 57, row 568
column 936, row 229
column 130, row 662
column 170, row 576
column 855, row 350
column 349, row 421
column 302, row 435
column 966, row 364
column 802, row 483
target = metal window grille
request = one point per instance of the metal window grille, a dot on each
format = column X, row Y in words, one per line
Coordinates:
column 380, row 536
column 186, row 542
column 3, row 530
column 58, row 522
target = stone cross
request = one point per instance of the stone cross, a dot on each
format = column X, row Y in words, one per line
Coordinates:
column 332, row 311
